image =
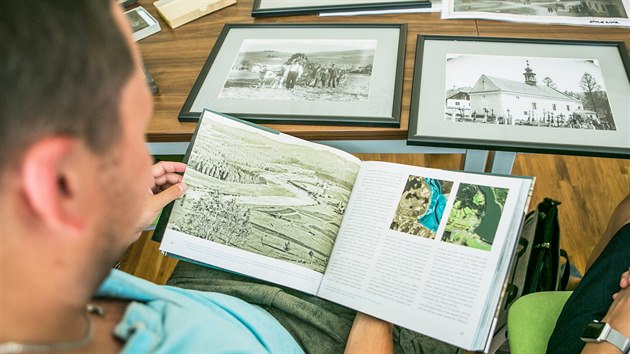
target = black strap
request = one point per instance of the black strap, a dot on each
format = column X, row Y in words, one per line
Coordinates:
column 510, row 295
column 538, row 271
column 545, row 271
column 564, row 279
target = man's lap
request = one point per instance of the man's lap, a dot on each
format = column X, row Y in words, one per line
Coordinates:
column 318, row 325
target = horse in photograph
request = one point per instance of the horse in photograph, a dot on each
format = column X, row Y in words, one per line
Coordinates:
column 271, row 78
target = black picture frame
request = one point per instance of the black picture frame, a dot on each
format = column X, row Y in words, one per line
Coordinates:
column 369, row 56
column 556, row 119
column 294, row 8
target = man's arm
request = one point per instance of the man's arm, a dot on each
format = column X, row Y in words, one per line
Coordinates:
column 370, row 335
column 618, row 317
column 619, row 217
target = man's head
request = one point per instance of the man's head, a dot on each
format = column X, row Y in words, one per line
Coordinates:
column 63, row 66
column 73, row 112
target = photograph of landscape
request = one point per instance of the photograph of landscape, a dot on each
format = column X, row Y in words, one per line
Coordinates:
column 277, row 199
column 475, row 216
column 301, row 70
column 421, row 206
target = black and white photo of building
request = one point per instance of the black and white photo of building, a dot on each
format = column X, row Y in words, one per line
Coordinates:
column 509, row 90
column 301, row 70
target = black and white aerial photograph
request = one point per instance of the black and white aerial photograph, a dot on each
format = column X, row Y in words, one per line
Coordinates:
column 526, row 91
column 276, row 199
column 301, row 70
column 546, row 8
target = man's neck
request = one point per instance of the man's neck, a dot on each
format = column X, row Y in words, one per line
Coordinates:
column 34, row 319
column 46, row 279
column 97, row 338
column 42, row 299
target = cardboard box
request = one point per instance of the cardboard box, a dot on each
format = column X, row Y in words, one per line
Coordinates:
column 179, row 12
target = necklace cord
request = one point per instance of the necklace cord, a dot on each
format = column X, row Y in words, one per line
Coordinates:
column 22, row 347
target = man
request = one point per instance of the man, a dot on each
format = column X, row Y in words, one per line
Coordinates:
column 295, row 71
column 593, row 297
column 333, row 73
column 324, row 77
column 76, row 188
column 315, row 76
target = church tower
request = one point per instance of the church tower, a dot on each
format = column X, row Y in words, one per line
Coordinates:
column 530, row 76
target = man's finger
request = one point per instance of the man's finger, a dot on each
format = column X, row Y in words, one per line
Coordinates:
column 160, row 200
column 170, row 179
column 164, row 167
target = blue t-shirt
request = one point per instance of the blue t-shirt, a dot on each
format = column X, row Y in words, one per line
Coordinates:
column 165, row 319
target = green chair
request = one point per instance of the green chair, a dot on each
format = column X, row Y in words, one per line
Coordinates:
column 531, row 320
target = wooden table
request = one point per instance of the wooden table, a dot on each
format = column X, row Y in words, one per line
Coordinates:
column 175, row 57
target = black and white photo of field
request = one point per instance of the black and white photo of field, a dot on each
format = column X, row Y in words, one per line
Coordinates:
column 264, row 196
column 301, row 70
column 526, row 91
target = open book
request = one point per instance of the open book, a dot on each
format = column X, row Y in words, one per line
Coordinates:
column 426, row 249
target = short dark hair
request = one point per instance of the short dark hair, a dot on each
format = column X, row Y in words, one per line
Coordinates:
column 62, row 66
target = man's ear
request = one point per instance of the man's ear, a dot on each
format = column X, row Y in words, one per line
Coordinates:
column 47, row 184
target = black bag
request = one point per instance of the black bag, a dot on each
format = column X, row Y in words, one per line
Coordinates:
column 545, row 272
column 536, row 264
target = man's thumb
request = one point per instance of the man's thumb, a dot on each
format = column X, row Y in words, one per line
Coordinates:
column 166, row 196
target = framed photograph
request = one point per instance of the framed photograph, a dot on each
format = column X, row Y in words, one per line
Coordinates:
column 572, row 12
column 331, row 74
column 268, row 8
column 523, row 95
column 142, row 23
column 127, row 3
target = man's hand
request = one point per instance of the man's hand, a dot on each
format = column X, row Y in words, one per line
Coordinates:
column 370, row 335
column 618, row 317
column 624, row 282
column 167, row 186
column 625, row 279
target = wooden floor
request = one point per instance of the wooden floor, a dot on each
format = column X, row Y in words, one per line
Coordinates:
column 589, row 189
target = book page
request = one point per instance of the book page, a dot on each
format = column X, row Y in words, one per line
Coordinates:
column 420, row 247
column 260, row 203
